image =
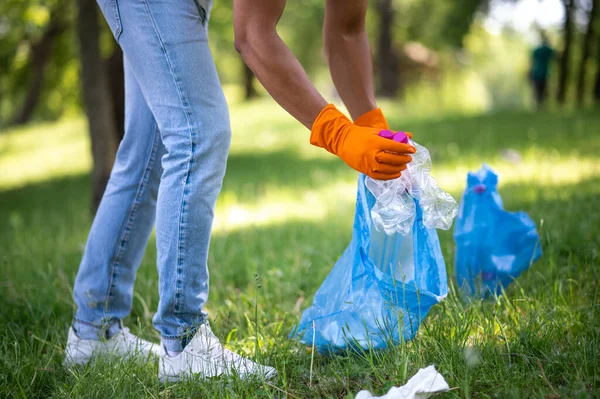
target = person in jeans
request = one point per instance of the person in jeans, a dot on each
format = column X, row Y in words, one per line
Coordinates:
column 170, row 165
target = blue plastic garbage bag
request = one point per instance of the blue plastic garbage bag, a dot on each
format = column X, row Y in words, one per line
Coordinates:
column 493, row 246
column 379, row 290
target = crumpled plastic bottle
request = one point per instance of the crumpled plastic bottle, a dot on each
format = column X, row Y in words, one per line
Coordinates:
column 394, row 210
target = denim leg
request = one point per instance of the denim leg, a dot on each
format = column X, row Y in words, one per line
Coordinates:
column 166, row 44
column 104, row 286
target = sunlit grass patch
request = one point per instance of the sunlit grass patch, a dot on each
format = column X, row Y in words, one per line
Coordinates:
column 280, row 206
column 43, row 152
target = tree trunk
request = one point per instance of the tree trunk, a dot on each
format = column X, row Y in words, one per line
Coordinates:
column 563, row 73
column 387, row 59
column 249, row 89
column 116, row 81
column 597, row 85
column 41, row 53
column 96, row 98
column 588, row 42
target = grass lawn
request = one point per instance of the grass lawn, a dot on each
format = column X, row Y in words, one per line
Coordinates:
column 283, row 218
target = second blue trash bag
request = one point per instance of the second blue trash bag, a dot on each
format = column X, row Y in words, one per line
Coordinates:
column 380, row 289
column 493, row 246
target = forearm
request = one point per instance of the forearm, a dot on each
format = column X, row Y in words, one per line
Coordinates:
column 274, row 65
column 349, row 54
column 284, row 78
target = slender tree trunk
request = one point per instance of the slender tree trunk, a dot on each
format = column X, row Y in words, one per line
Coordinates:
column 387, row 59
column 588, row 42
column 116, row 82
column 96, row 98
column 41, row 53
column 597, row 85
column 249, row 89
column 563, row 72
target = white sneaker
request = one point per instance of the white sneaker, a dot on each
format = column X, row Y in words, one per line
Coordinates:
column 125, row 344
column 206, row 357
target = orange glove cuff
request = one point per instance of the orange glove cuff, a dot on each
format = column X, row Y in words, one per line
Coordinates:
column 373, row 118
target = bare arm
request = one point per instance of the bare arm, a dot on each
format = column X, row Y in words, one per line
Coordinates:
column 282, row 75
column 271, row 60
column 349, row 54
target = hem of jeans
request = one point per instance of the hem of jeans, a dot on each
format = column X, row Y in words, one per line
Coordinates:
column 171, row 337
column 95, row 327
column 190, row 331
column 91, row 324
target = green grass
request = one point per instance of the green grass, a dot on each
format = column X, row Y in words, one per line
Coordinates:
column 284, row 216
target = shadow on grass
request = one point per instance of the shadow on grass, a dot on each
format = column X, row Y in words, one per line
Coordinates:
column 250, row 174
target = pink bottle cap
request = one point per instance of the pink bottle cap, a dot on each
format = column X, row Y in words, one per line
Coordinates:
column 480, row 188
column 386, row 134
column 400, row 137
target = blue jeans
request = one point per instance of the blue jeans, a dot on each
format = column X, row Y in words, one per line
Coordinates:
column 169, row 170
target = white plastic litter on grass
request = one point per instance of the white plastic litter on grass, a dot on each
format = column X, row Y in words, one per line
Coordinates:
column 422, row 385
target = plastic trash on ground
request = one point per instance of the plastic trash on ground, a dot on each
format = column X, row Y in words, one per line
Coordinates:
column 422, row 385
column 394, row 205
column 493, row 246
column 382, row 286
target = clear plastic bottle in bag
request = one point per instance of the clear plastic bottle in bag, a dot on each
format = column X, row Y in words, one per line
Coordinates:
column 394, row 210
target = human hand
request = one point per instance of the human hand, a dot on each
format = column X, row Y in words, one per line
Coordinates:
column 360, row 147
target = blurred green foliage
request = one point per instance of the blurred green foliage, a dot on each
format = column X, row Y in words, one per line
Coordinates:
column 440, row 23
column 300, row 28
column 22, row 26
column 473, row 69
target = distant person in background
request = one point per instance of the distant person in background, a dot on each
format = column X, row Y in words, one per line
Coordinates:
column 540, row 64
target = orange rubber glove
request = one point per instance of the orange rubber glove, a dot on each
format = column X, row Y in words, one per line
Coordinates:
column 360, row 147
column 374, row 118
